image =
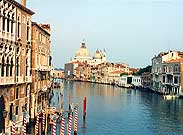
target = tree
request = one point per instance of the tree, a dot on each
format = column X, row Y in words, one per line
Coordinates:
column 143, row 70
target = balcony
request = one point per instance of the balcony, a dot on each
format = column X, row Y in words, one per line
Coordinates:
column 44, row 68
column 7, row 80
column 19, row 79
column 28, row 79
column 169, row 73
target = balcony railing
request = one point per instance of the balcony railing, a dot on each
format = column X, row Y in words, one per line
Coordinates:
column 7, row 80
column 28, row 79
column 44, row 68
column 19, row 79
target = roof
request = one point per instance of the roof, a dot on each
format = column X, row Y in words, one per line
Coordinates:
column 175, row 61
column 117, row 72
column 34, row 23
column 21, row 7
column 134, row 69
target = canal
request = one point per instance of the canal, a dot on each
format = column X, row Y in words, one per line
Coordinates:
column 119, row 111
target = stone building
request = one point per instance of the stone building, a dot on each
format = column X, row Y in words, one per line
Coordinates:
column 163, row 72
column 15, row 62
column 146, row 79
column 58, row 73
column 83, row 55
column 41, row 66
column 172, row 77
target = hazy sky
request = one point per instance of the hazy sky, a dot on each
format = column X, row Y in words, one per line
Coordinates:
column 131, row 31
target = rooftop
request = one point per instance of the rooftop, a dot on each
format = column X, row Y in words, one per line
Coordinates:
column 21, row 6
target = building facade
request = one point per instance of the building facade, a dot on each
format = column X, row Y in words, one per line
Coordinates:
column 41, row 66
column 163, row 72
column 146, row 79
column 15, row 61
column 172, row 72
column 130, row 81
column 58, row 73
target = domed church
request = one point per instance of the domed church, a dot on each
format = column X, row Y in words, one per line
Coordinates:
column 99, row 57
column 83, row 55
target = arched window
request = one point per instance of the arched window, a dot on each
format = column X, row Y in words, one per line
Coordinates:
column 12, row 23
column 8, row 23
column 17, row 66
column 4, row 20
column 3, row 64
column 7, row 67
column 11, row 67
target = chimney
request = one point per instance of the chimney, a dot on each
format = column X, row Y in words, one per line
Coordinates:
column 23, row 2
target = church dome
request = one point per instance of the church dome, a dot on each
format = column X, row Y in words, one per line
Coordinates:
column 82, row 52
column 97, row 55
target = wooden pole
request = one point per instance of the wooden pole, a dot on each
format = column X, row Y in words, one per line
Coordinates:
column 84, row 111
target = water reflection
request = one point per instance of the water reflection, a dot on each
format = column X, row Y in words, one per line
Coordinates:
column 118, row 111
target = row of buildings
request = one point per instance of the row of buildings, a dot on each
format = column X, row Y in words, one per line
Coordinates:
column 95, row 69
column 25, row 64
column 165, row 77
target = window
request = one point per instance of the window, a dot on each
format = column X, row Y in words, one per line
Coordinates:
column 7, row 67
column 176, row 80
column 176, row 69
column 18, row 26
column 11, row 67
column 17, row 67
column 163, row 79
column 12, row 23
column 16, row 93
column 8, row 24
column 3, row 64
column 11, row 111
column 16, row 110
column 28, row 31
column 26, row 91
column 26, row 67
column 4, row 22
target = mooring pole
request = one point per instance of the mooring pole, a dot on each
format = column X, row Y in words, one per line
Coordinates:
column 84, row 111
column 76, row 121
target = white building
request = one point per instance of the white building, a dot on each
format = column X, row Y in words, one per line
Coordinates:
column 99, row 57
column 83, row 55
column 130, row 80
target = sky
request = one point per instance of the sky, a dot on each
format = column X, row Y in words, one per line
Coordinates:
column 131, row 31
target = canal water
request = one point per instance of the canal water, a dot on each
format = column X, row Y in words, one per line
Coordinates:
column 119, row 111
